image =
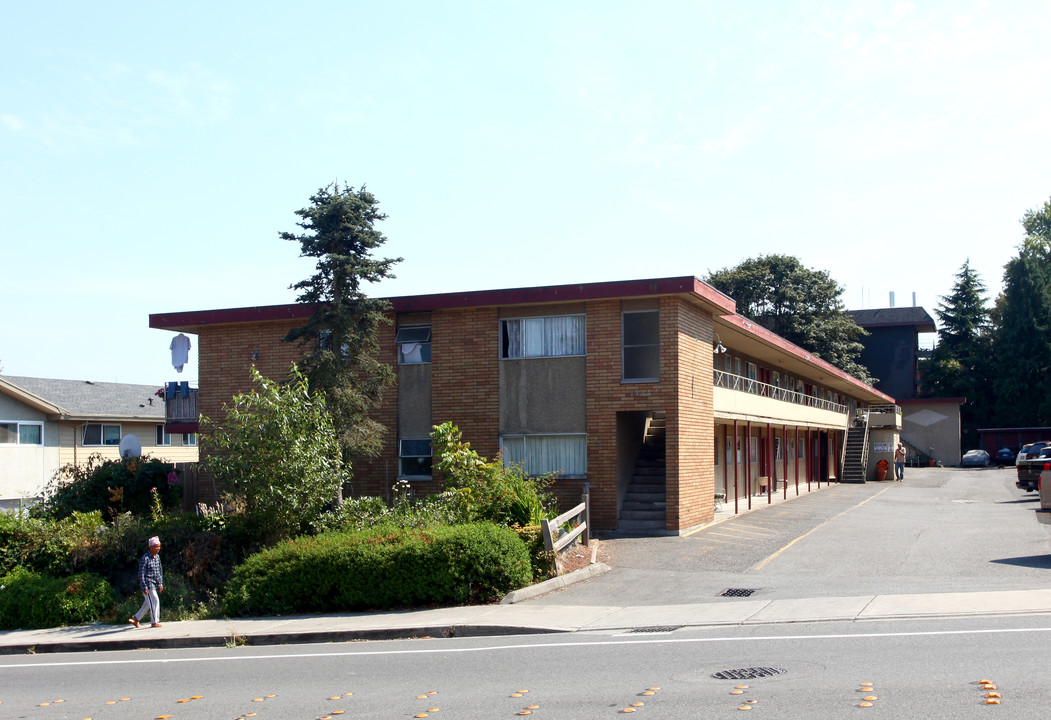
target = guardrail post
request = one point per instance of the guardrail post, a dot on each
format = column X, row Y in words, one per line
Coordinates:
column 587, row 513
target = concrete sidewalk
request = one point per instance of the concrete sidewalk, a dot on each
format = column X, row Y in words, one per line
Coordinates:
column 510, row 619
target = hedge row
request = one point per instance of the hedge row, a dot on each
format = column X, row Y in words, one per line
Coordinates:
column 30, row 599
column 380, row 569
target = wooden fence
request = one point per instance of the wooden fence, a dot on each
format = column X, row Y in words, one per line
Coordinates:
column 555, row 539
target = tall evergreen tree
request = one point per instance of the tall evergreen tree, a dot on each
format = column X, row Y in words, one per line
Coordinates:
column 801, row 305
column 1023, row 335
column 342, row 334
column 959, row 365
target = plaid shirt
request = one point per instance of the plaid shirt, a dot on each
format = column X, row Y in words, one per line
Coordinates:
column 151, row 575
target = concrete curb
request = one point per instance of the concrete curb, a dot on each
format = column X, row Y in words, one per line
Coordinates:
column 556, row 583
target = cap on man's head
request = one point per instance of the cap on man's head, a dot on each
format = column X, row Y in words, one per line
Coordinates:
column 154, row 541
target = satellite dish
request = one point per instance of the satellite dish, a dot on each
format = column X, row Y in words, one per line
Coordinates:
column 130, row 447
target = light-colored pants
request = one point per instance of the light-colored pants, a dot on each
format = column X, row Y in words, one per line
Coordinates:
column 151, row 603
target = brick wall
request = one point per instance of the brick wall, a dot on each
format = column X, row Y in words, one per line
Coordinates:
column 225, row 353
column 465, row 383
column 691, row 493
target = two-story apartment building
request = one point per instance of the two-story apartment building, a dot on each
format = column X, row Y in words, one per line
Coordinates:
column 654, row 392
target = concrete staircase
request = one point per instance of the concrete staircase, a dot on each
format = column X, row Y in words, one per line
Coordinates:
column 855, row 455
column 643, row 511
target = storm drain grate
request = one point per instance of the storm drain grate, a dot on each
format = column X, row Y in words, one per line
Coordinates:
column 747, row 673
column 736, row 592
column 656, row 629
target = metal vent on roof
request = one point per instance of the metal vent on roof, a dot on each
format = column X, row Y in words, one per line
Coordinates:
column 747, row 673
column 737, row 592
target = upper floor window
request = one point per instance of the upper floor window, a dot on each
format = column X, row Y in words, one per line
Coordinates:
column 414, row 344
column 640, row 345
column 551, row 336
column 20, row 433
column 98, row 434
column 164, row 438
column 189, row 439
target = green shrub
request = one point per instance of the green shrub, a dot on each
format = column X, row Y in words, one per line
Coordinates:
column 112, row 487
column 482, row 489
column 30, row 599
column 385, row 567
column 44, row 544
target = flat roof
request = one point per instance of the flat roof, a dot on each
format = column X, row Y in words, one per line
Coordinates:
column 722, row 307
column 702, row 292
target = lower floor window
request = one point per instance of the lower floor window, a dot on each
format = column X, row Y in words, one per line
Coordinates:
column 414, row 457
column 163, row 437
column 566, row 455
column 16, row 433
column 96, row 434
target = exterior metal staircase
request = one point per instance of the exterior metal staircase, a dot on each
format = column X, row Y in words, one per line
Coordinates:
column 856, row 452
column 645, row 502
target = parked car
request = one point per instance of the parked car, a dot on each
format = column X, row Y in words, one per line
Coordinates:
column 1028, row 464
column 975, row 458
column 1005, row 456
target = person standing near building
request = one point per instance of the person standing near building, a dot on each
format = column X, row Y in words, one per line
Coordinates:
column 151, row 582
column 899, row 462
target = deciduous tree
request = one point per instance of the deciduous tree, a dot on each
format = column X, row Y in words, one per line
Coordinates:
column 277, row 452
column 801, row 305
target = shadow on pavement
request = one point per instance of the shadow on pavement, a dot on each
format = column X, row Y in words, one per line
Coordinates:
column 1032, row 561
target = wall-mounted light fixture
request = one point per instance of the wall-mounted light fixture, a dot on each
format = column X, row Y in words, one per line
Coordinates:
column 719, row 349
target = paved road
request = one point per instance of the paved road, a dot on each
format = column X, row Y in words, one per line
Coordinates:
column 927, row 669
column 942, row 530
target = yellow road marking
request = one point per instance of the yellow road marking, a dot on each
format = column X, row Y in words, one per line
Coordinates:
column 763, row 564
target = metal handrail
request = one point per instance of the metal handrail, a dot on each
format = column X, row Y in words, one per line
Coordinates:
column 731, row 381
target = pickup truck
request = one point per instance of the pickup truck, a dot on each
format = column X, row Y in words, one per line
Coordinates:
column 1030, row 463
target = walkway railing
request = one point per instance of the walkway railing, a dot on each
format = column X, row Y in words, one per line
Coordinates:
column 730, row 381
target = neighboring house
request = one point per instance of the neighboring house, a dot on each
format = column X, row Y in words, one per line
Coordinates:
column 636, row 388
column 930, row 426
column 46, row 424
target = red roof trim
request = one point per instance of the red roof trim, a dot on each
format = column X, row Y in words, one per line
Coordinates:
column 478, row 298
column 755, row 329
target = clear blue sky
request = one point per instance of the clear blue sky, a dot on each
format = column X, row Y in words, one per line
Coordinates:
column 149, row 157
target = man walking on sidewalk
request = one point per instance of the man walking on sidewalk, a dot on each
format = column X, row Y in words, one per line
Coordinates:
column 151, row 582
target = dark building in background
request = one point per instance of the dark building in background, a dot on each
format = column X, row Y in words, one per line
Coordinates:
column 892, row 348
column 930, row 426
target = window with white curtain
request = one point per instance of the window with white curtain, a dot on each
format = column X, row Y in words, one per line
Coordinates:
column 566, row 455
column 550, row 336
column 414, row 344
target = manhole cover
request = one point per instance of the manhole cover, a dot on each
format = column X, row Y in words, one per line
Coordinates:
column 656, row 629
column 737, row 592
column 747, row 673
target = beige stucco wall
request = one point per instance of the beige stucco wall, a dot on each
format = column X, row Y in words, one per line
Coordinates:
column 739, row 405
column 933, row 428
column 24, row 470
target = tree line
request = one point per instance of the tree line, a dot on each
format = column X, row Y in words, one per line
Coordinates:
column 998, row 357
